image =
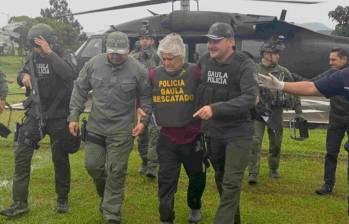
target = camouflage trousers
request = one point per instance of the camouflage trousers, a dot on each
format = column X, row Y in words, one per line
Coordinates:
column 147, row 142
column 275, row 140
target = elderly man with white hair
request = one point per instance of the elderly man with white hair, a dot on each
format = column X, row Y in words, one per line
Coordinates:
column 174, row 85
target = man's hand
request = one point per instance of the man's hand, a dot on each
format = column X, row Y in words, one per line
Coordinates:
column 140, row 114
column 138, row 129
column 26, row 81
column 270, row 82
column 204, row 112
column 2, row 105
column 74, row 128
column 44, row 45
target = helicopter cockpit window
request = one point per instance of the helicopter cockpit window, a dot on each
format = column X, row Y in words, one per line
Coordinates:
column 93, row 47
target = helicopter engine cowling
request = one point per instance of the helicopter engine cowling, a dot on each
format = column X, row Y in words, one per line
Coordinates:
column 179, row 21
column 200, row 21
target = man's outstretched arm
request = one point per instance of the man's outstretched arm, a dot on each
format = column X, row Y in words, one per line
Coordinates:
column 304, row 88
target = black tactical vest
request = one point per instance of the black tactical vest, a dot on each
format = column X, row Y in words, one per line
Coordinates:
column 52, row 88
column 173, row 96
column 220, row 82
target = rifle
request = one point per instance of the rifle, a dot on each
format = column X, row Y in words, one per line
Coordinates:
column 35, row 96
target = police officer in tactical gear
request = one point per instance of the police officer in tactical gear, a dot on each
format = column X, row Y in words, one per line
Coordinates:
column 146, row 54
column 227, row 93
column 338, row 123
column 54, row 78
column 117, row 81
column 3, row 91
column 268, row 111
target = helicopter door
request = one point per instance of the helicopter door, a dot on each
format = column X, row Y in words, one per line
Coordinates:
column 92, row 47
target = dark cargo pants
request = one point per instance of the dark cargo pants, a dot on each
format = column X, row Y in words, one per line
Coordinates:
column 335, row 135
column 28, row 138
column 171, row 156
column 229, row 159
column 108, row 168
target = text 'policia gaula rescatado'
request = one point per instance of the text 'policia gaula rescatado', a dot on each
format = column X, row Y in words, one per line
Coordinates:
column 172, row 91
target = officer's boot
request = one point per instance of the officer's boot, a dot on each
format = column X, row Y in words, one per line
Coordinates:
column 194, row 216
column 274, row 174
column 252, row 178
column 62, row 206
column 324, row 190
column 16, row 209
column 151, row 170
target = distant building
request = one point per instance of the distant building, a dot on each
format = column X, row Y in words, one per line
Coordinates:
column 9, row 38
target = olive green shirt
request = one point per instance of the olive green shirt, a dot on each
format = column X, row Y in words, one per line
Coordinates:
column 114, row 92
column 147, row 57
column 282, row 74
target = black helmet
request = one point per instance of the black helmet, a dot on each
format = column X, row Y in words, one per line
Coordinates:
column 145, row 31
column 275, row 45
column 43, row 30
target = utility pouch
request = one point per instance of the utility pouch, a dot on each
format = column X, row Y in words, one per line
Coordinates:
column 4, row 131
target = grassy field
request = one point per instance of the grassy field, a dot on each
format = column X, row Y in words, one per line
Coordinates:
column 288, row 200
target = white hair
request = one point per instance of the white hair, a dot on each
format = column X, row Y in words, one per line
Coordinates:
column 172, row 44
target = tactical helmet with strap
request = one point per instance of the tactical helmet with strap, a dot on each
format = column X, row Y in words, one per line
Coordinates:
column 145, row 30
column 275, row 45
column 43, row 30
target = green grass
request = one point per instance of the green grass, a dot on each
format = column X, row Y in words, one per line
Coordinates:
column 288, row 200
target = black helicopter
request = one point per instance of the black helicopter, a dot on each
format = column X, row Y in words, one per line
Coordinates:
column 306, row 51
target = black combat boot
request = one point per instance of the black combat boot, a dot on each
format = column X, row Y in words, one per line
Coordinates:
column 324, row 190
column 274, row 174
column 194, row 216
column 62, row 206
column 252, row 178
column 16, row 209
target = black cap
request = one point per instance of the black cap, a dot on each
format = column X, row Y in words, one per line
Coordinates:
column 219, row 31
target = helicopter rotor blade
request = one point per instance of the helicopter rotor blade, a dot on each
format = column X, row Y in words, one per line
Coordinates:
column 125, row 6
column 287, row 1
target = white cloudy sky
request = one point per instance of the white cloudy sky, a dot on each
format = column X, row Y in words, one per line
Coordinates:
column 99, row 21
